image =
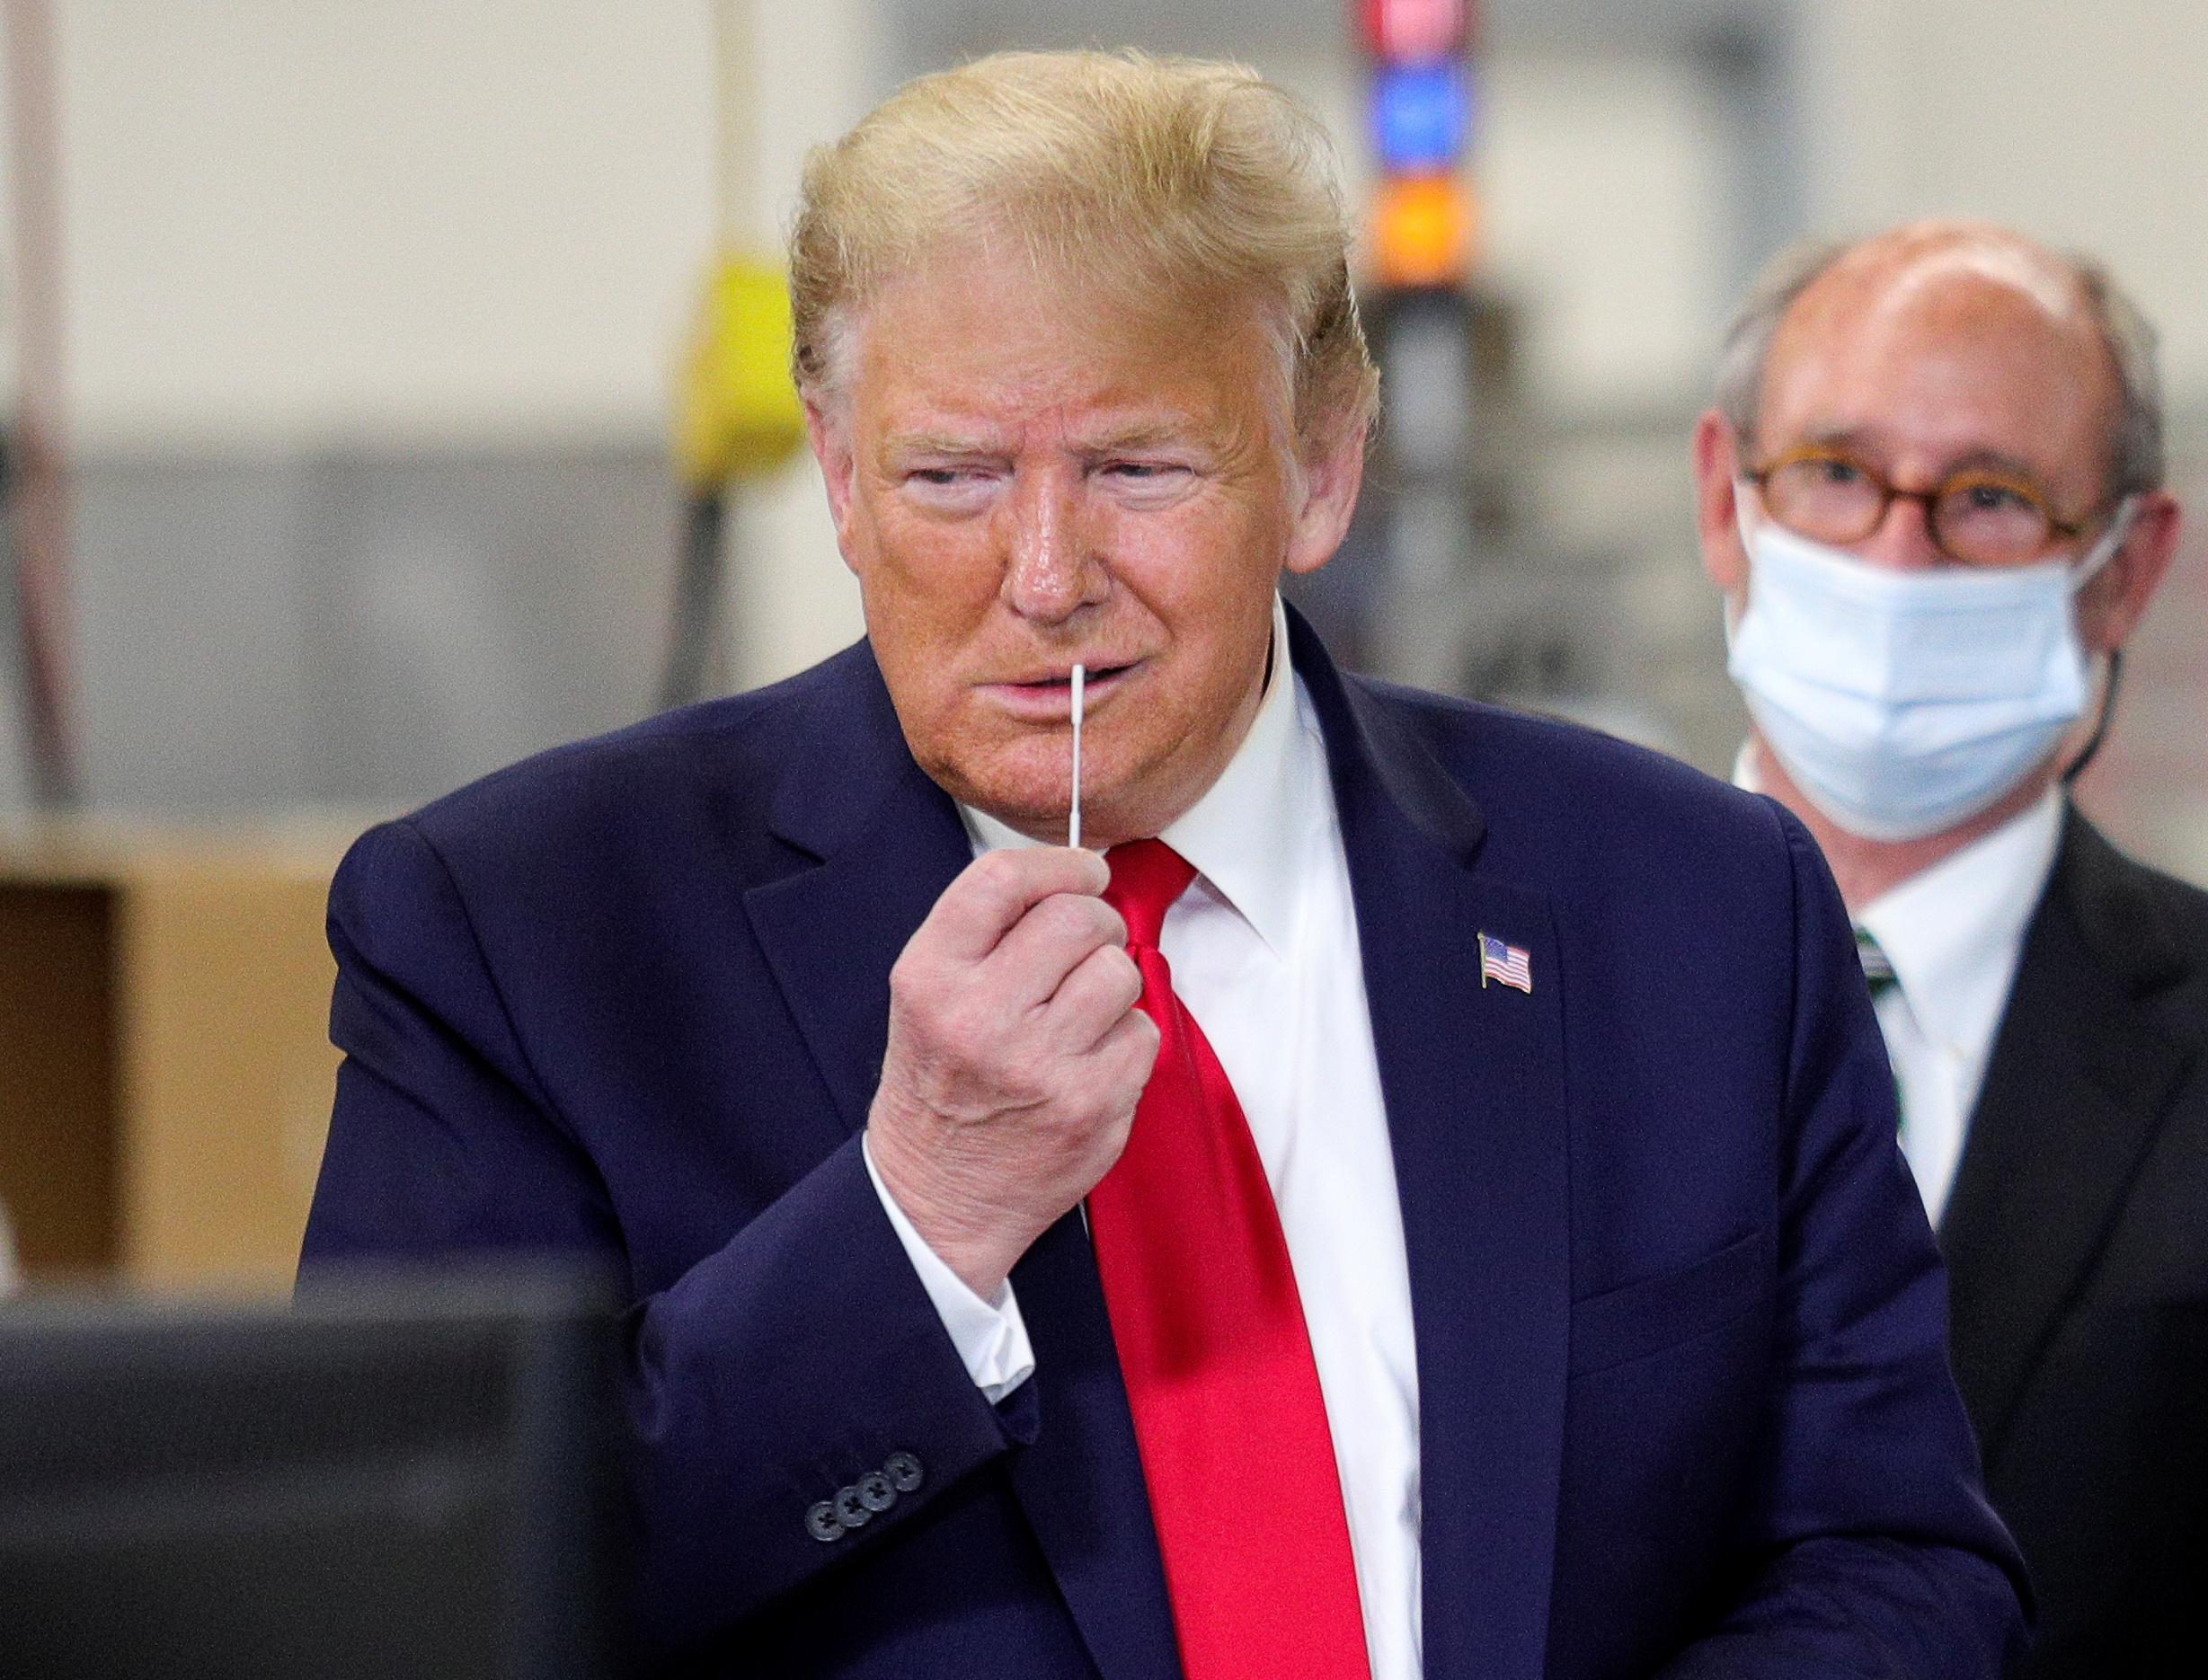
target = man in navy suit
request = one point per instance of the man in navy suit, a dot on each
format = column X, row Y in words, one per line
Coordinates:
column 1423, row 1201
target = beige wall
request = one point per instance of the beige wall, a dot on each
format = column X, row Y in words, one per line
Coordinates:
column 2085, row 123
column 302, row 218
column 820, row 66
column 415, row 220
column 293, row 225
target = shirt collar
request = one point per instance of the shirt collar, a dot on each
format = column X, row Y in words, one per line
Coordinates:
column 1245, row 835
column 1952, row 931
column 1745, row 775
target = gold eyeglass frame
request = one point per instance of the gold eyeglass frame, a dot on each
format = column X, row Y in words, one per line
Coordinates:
column 1965, row 478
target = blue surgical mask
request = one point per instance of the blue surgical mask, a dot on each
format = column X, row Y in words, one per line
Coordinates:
column 1903, row 703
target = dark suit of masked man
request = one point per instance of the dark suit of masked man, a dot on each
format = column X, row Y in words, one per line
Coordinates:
column 1933, row 490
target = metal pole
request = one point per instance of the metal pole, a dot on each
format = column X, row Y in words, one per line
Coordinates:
column 36, row 509
column 693, row 639
column 695, row 658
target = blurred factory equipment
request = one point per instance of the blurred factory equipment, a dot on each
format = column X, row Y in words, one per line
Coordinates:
column 1444, row 582
column 738, row 415
column 33, row 512
column 402, row 1479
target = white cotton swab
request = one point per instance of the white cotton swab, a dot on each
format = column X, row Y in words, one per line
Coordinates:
column 1073, row 821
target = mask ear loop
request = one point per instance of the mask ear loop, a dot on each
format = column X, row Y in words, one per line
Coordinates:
column 2102, row 552
column 2113, row 681
column 2105, row 550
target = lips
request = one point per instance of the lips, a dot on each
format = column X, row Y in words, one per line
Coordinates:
column 1097, row 673
column 1045, row 697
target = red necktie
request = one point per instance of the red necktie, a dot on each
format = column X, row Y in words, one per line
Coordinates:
column 1228, row 1412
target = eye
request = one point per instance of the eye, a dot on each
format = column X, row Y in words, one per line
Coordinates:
column 1998, row 499
column 949, row 488
column 949, row 475
column 1835, row 470
column 1141, row 482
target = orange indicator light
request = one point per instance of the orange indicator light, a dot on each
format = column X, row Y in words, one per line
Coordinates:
column 1422, row 231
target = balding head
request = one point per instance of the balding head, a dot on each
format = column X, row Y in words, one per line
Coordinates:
column 1949, row 286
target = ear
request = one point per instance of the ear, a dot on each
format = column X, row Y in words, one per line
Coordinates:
column 1334, row 471
column 827, row 429
column 1716, row 517
column 2110, row 605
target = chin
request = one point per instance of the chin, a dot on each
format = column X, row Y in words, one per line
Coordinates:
column 1031, row 797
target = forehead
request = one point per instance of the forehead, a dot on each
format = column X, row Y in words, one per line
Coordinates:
column 988, row 340
column 1931, row 359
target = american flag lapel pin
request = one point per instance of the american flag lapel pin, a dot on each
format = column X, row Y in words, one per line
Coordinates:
column 1506, row 965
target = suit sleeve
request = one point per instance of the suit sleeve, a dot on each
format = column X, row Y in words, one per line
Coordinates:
column 1868, row 1547
column 797, row 1359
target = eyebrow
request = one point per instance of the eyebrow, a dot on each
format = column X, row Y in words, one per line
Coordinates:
column 1142, row 435
column 1133, row 438
column 941, row 443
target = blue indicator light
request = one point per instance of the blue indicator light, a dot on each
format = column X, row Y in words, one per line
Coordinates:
column 1420, row 116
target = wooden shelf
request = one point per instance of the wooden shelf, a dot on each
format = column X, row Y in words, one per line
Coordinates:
column 165, row 1073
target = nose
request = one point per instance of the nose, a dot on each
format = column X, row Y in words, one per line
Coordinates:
column 1903, row 539
column 1050, row 571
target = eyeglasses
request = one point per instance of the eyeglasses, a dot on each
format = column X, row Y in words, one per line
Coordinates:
column 1976, row 516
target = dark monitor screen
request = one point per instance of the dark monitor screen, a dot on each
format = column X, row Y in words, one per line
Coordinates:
column 394, row 1480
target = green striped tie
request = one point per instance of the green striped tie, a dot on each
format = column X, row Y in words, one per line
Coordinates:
column 1879, row 976
column 1878, row 972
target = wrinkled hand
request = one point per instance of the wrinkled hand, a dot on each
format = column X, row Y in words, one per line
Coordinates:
column 1016, row 1055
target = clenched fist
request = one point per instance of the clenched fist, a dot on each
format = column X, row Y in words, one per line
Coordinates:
column 1016, row 1055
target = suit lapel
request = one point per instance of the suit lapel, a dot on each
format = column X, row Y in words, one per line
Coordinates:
column 888, row 842
column 832, row 934
column 1472, row 1077
column 2078, row 1083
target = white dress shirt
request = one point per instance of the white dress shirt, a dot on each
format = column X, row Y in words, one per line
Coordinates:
column 1954, row 934
column 1264, row 953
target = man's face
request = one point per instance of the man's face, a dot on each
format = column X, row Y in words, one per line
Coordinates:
column 1921, row 366
column 1026, row 476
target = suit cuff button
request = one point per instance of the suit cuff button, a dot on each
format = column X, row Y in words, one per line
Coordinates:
column 875, row 1493
column 904, row 1472
column 820, row 1523
column 849, row 1511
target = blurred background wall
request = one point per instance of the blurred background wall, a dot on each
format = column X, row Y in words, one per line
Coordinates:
column 371, row 314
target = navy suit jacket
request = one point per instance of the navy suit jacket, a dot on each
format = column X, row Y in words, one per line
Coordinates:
column 1682, row 1393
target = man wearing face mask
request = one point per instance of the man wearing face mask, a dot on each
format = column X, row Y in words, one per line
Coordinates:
column 1932, row 489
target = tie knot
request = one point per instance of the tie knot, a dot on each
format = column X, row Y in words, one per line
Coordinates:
column 1877, row 967
column 1147, row 877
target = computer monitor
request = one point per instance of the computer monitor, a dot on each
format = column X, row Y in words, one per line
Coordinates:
column 395, row 1479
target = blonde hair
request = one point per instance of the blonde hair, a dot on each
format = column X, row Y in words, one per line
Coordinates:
column 1169, row 179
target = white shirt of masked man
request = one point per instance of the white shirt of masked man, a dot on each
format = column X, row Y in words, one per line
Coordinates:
column 1954, row 935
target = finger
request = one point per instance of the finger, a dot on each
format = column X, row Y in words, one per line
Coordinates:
column 994, row 891
column 1052, row 939
column 1125, row 1056
column 1093, row 1000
